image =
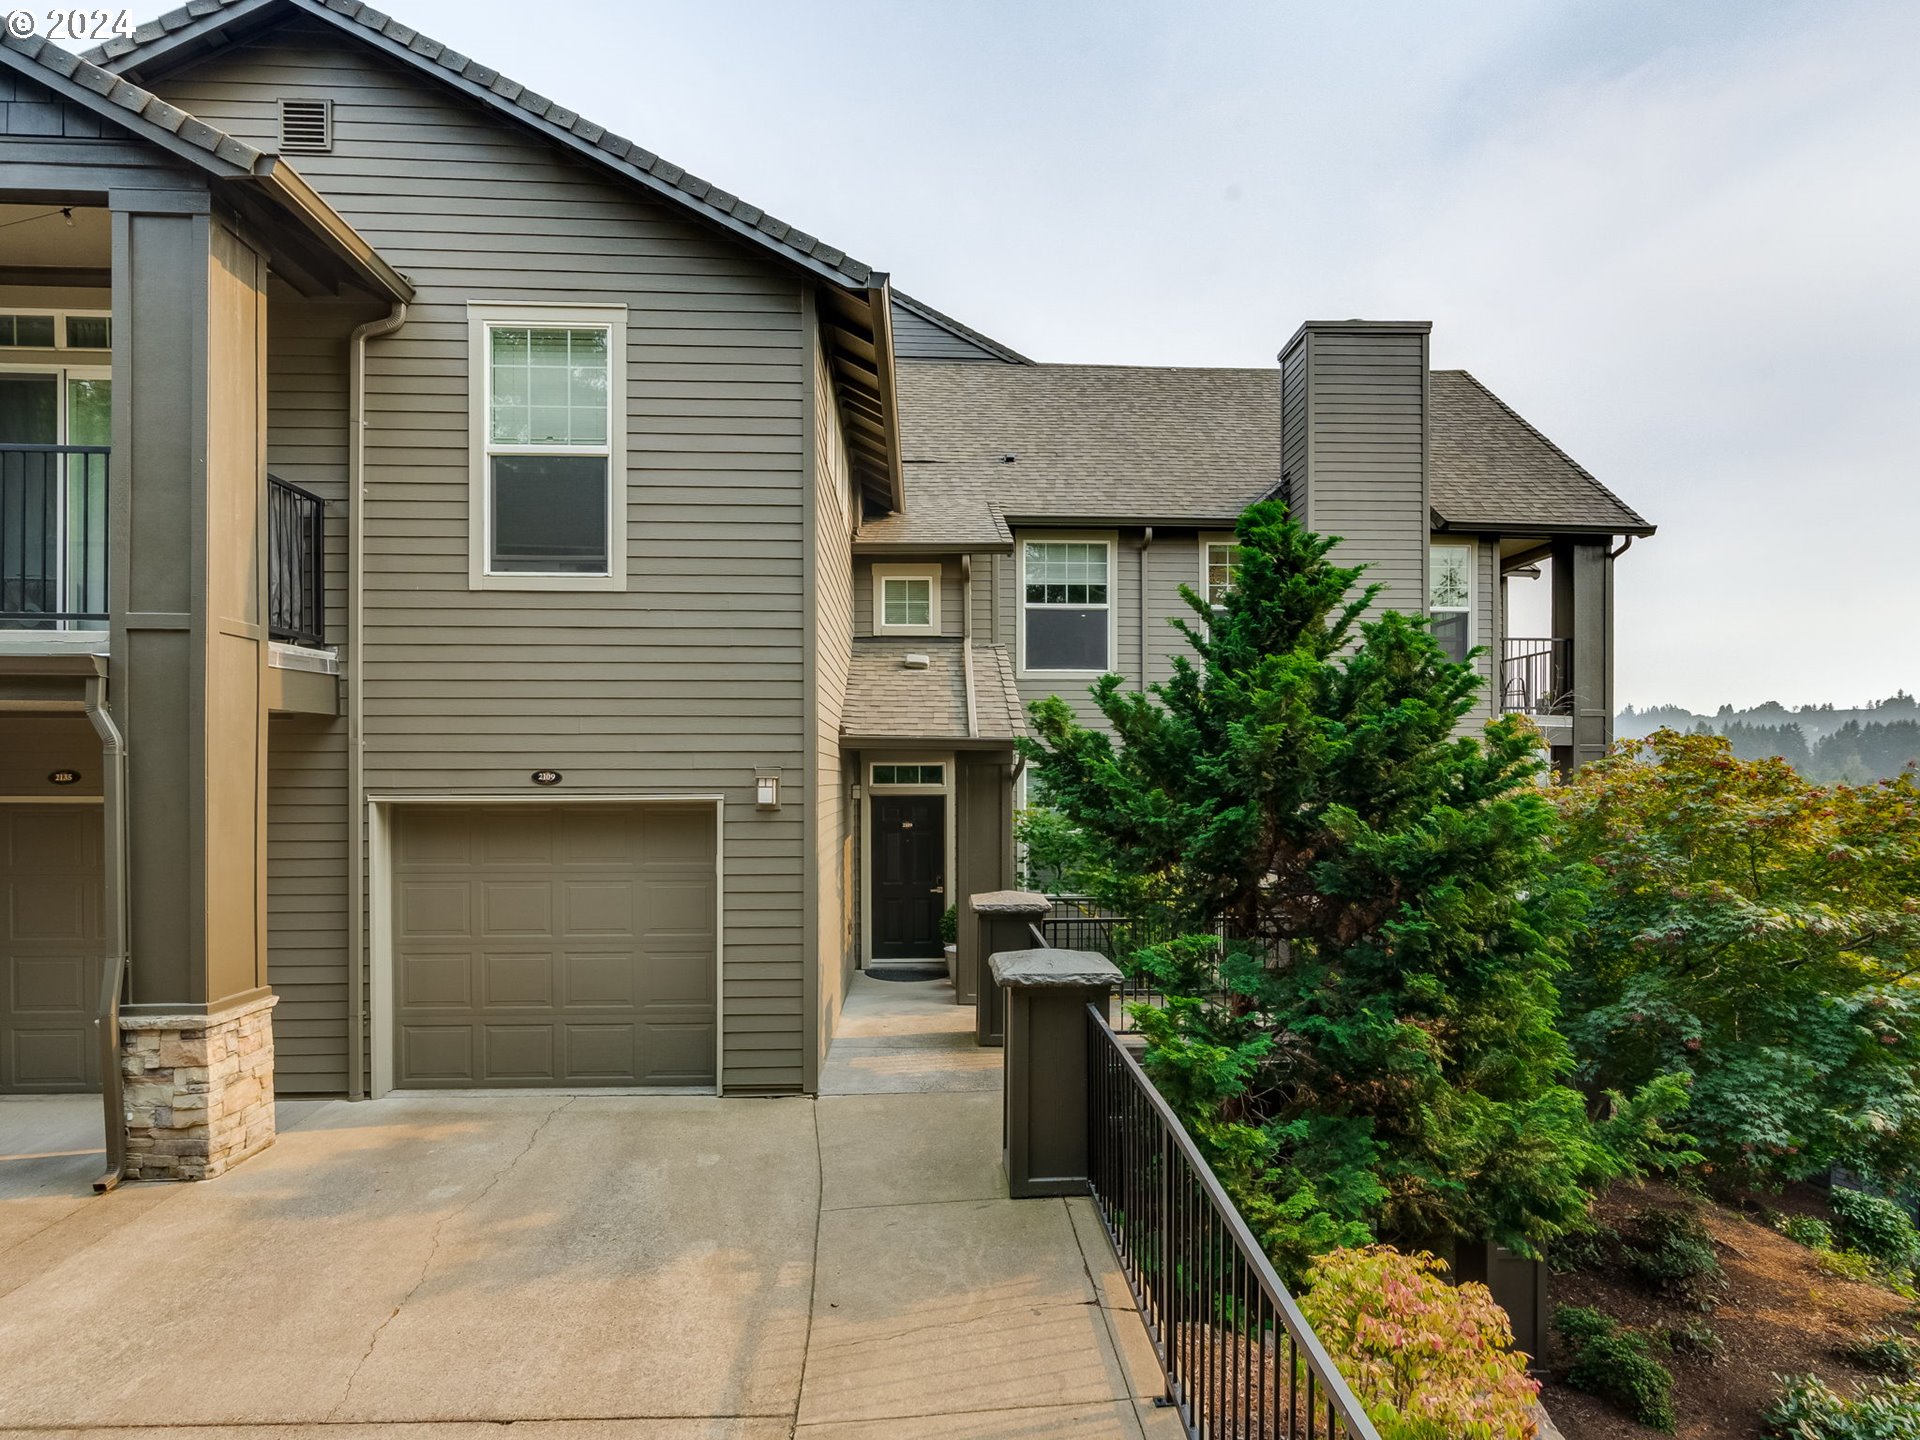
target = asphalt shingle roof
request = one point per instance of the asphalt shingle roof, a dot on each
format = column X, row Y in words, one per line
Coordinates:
column 887, row 700
column 1116, row 443
column 124, row 52
column 1492, row 469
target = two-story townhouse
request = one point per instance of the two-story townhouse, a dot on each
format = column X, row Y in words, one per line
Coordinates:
column 484, row 608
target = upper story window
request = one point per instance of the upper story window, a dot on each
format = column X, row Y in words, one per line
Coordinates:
column 1220, row 562
column 1450, row 598
column 547, row 389
column 1067, row 622
column 906, row 599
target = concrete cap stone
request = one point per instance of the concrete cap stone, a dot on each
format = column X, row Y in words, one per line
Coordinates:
column 1010, row 902
column 1054, row 970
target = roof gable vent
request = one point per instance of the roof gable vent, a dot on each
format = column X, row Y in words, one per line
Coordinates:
column 306, row 126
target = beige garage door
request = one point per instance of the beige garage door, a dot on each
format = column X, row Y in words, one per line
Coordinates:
column 553, row 945
column 51, row 945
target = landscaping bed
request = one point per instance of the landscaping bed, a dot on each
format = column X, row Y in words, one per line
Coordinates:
column 1779, row 1313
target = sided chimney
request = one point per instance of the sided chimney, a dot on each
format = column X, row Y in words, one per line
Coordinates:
column 1353, row 446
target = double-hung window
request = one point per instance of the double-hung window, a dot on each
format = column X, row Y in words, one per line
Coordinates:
column 1067, row 623
column 549, row 446
column 1450, row 598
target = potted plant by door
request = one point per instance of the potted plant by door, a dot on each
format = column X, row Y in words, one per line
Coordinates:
column 950, row 935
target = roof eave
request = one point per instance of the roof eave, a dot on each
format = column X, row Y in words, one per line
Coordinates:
column 1509, row 525
column 343, row 242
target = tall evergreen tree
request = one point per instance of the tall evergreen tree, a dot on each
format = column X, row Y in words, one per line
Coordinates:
column 1374, row 1053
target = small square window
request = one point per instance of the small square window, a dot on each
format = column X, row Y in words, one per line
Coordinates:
column 906, row 599
column 1222, row 564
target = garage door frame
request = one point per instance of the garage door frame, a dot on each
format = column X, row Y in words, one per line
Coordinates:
column 380, row 810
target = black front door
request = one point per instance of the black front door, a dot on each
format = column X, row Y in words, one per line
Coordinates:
column 909, row 875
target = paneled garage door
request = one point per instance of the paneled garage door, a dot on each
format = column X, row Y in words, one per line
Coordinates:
column 52, row 898
column 553, row 945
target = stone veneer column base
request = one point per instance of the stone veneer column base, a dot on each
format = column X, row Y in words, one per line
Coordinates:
column 199, row 1090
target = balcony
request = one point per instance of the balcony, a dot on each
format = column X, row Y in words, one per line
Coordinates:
column 53, row 537
column 1536, row 679
column 53, row 547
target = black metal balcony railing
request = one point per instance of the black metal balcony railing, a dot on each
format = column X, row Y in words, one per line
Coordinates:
column 1241, row 1361
column 1536, row 677
column 53, row 537
column 53, row 545
column 296, row 564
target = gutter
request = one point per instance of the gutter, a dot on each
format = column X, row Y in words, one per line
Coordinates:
column 1625, row 545
column 966, row 644
column 356, row 691
column 291, row 190
column 114, row 787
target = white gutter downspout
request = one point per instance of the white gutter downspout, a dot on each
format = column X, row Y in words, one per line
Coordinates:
column 113, row 746
column 356, row 692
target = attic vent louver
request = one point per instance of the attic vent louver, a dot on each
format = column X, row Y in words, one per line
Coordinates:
column 306, row 126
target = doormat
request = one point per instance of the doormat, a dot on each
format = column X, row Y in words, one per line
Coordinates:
column 931, row 970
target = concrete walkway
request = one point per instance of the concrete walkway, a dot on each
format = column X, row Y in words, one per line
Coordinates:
column 624, row 1267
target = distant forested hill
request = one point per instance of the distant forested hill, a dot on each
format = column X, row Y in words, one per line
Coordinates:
column 1821, row 742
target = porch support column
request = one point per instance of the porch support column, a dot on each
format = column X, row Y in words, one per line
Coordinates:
column 187, row 676
column 1583, row 614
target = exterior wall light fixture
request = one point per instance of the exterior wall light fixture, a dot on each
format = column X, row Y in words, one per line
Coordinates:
column 766, row 792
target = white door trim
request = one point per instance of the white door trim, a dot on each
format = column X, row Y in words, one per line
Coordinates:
column 868, row 759
column 380, row 910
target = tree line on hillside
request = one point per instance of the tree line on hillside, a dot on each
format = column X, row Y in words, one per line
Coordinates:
column 1829, row 745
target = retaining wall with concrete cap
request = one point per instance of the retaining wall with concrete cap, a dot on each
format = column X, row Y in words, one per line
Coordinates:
column 1006, row 919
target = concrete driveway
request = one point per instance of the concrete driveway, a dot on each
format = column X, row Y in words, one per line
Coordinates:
column 589, row 1266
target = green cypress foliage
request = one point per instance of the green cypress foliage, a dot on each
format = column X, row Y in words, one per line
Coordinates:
column 1373, row 1054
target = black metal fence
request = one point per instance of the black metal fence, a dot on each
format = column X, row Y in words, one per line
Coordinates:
column 53, row 536
column 296, row 564
column 1077, row 923
column 1536, row 676
column 1240, row 1360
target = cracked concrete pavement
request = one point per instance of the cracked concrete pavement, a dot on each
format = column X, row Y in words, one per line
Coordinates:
column 592, row 1267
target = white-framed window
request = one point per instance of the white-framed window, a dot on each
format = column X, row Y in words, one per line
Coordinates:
column 1219, row 563
column 547, row 396
column 887, row 774
column 1450, row 597
column 906, row 599
column 1066, row 600
column 56, row 330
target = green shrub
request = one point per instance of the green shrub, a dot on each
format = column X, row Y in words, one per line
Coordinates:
column 1877, row 1226
column 1696, row 1338
column 1591, row 1248
column 1847, row 1265
column 949, row 925
column 1808, row 1409
column 1808, row 1230
column 1885, row 1352
column 1429, row 1360
column 1671, row 1251
column 1616, row 1363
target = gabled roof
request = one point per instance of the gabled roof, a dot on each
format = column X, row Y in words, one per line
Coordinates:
column 202, row 20
column 1494, row 471
column 854, row 299
column 969, row 338
column 1119, row 444
column 252, row 176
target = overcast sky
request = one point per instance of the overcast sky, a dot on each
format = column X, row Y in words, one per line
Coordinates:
column 1682, row 238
